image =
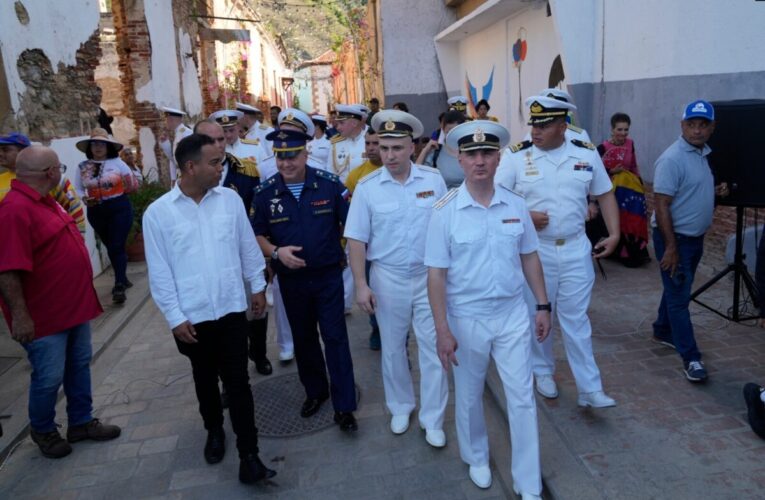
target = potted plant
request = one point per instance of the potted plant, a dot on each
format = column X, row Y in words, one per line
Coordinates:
column 141, row 199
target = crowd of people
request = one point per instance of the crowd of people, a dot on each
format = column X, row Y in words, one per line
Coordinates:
column 473, row 243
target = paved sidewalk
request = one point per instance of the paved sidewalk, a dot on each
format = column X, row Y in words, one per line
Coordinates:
column 144, row 385
column 666, row 439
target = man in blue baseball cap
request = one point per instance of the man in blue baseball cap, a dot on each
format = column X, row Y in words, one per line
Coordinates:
column 65, row 194
column 684, row 193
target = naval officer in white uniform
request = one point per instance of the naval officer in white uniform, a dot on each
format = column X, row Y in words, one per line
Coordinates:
column 481, row 245
column 252, row 118
column 174, row 122
column 241, row 148
column 387, row 224
column 556, row 176
column 348, row 146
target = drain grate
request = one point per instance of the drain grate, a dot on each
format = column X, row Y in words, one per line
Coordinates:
column 277, row 408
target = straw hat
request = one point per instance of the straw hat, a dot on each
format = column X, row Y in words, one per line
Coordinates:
column 97, row 134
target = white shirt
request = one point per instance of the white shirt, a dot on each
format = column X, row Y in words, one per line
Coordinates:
column 393, row 217
column 558, row 188
column 318, row 152
column 480, row 247
column 198, row 254
column 346, row 154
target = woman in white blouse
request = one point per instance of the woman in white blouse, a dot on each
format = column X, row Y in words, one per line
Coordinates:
column 104, row 182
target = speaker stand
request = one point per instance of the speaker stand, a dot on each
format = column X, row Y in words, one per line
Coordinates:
column 740, row 273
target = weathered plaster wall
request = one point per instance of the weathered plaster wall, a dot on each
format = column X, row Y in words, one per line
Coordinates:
column 161, row 86
column 410, row 64
column 192, row 92
column 60, row 43
column 50, row 78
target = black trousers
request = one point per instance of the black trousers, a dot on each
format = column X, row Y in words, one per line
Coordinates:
column 315, row 298
column 222, row 349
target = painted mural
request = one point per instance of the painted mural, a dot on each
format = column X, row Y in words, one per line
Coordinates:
column 520, row 48
column 472, row 92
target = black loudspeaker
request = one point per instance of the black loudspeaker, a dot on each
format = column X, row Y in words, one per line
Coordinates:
column 737, row 153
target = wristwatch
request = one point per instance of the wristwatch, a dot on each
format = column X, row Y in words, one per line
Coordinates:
column 544, row 307
column 275, row 254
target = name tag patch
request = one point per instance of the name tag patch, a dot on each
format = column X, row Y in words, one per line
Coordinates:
column 322, row 211
column 280, row 219
column 320, row 203
column 511, row 221
column 426, row 194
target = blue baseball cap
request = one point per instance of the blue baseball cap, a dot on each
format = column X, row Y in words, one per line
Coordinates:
column 699, row 109
column 15, row 139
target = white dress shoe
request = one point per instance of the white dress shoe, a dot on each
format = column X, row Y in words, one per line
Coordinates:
column 286, row 355
column 526, row 496
column 399, row 424
column 480, row 475
column 435, row 438
column 545, row 385
column 595, row 399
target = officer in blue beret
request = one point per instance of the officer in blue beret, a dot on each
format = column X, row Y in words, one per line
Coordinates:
column 298, row 218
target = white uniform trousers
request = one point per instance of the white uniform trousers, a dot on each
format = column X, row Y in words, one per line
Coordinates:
column 569, row 277
column 403, row 301
column 506, row 337
column 283, row 331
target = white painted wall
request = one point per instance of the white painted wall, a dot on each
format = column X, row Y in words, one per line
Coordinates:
column 658, row 38
column 163, row 88
column 474, row 59
column 410, row 64
column 62, row 34
column 192, row 92
column 148, row 142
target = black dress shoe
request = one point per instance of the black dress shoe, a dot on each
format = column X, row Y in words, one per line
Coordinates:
column 263, row 366
column 252, row 470
column 215, row 447
column 311, row 406
column 346, row 421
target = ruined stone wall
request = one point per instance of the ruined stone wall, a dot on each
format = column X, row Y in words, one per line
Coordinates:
column 107, row 77
column 60, row 103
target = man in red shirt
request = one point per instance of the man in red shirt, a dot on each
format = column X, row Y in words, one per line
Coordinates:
column 48, row 299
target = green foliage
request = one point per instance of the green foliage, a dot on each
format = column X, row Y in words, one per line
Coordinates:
column 308, row 27
column 141, row 199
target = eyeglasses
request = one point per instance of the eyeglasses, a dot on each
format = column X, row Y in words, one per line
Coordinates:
column 61, row 167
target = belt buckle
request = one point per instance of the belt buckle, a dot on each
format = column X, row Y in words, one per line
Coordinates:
column 560, row 242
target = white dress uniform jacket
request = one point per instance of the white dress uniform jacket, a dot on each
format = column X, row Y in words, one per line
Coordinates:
column 258, row 134
column 346, row 154
column 318, row 152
